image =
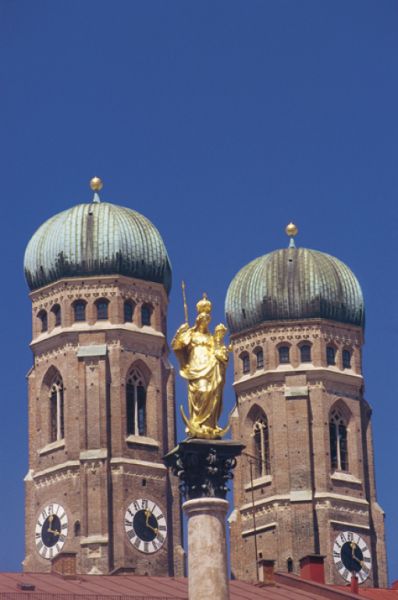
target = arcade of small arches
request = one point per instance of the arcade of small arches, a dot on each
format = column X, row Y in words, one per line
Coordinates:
column 258, row 451
column 333, row 355
column 100, row 310
column 136, row 387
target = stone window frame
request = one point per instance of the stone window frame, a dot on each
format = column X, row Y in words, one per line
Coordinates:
column 339, row 438
column 260, row 435
column 57, row 411
column 279, row 348
column 329, row 361
column 347, row 364
column 135, row 403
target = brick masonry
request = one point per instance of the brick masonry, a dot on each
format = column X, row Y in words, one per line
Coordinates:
column 96, row 471
column 302, row 504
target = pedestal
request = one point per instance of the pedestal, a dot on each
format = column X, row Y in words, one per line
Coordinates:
column 207, row 549
column 204, row 468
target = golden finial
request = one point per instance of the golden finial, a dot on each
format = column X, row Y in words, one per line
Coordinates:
column 96, row 184
column 291, row 230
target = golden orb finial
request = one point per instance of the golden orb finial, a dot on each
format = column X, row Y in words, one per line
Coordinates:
column 291, row 230
column 96, row 184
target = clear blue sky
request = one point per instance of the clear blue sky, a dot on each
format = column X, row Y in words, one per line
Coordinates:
column 221, row 122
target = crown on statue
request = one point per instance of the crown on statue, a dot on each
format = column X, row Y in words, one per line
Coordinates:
column 204, row 305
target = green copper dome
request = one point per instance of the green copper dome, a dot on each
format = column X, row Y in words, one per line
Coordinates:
column 293, row 283
column 95, row 239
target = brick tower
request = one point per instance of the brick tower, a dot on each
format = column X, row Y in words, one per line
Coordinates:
column 101, row 395
column 305, row 485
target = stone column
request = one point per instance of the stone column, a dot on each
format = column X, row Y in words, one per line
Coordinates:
column 204, row 468
column 207, row 550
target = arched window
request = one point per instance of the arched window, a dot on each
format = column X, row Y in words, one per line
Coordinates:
column 42, row 316
column 261, row 447
column 284, row 355
column 79, row 310
column 289, row 564
column 76, row 529
column 245, row 358
column 128, row 311
column 259, row 358
column 136, row 404
column 102, row 309
column 346, row 359
column 305, row 353
column 146, row 313
column 57, row 411
column 330, row 355
column 56, row 311
column 338, row 441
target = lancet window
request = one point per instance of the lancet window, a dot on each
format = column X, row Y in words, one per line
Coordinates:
column 245, row 358
column 331, row 355
column 338, row 441
column 136, row 404
column 56, row 311
column 57, row 427
column 346, row 359
column 79, row 310
column 261, row 447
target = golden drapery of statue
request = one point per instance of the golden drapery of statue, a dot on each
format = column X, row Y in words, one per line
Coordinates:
column 203, row 359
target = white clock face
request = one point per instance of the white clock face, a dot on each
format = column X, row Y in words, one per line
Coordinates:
column 351, row 554
column 51, row 530
column 145, row 525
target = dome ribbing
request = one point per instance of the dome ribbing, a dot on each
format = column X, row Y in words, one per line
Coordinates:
column 96, row 239
column 293, row 283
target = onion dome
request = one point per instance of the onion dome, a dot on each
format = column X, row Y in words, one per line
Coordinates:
column 96, row 238
column 293, row 283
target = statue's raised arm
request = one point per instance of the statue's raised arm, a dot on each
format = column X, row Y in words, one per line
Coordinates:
column 203, row 358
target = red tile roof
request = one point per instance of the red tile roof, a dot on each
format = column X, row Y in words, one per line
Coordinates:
column 49, row 586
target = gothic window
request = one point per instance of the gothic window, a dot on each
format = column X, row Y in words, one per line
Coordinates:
column 259, row 358
column 244, row 357
column 338, row 441
column 42, row 316
column 136, row 404
column 284, row 355
column 57, row 411
column 331, row 355
column 289, row 564
column 346, row 359
column 305, row 353
column 128, row 311
column 261, row 447
column 102, row 309
column 79, row 310
column 56, row 311
column 146, row 313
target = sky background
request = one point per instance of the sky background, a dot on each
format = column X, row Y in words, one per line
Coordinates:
column 221, row 122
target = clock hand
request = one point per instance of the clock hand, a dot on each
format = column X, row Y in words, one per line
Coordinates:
column 353, row 546
column 148, row 515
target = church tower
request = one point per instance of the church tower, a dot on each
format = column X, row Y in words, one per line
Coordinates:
column 305, row 484
column 101, row 395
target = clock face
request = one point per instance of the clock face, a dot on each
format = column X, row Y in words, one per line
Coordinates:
column 351, row 553
column 51, row 530
column 145, row 525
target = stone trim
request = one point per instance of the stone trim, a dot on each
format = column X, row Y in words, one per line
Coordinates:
column 340, row 476
column 100, row 453
column 300, row 498
column 91, row 351
column 259, row 482
column 341, row 497
column 135, row 461
column 69, row 464
column 94, row 539
column 142, row 440
column 52, row 446
column 349, row 525
column 259, row 529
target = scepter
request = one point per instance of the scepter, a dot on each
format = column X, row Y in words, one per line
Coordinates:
column 184, row 298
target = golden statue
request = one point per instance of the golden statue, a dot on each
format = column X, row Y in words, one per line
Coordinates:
column 203, row 359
